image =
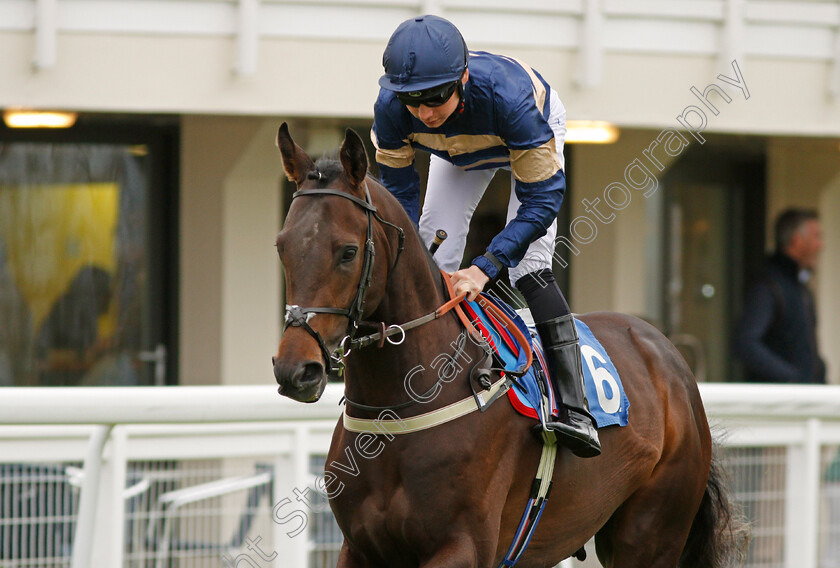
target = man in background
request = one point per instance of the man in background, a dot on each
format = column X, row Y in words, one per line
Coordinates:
column 776, row 338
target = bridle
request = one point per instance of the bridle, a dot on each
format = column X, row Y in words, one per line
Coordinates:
column 299, row 317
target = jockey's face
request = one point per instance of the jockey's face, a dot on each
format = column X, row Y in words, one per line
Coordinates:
column 434, row 117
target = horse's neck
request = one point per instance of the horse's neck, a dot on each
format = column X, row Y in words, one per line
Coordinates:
column 383, row 376
column 414, row 286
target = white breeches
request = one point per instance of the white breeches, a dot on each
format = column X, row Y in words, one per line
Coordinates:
column 452, row 194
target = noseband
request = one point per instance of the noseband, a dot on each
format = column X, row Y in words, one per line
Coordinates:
column 299, row 317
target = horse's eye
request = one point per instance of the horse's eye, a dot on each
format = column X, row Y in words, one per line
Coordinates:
column 349, row 253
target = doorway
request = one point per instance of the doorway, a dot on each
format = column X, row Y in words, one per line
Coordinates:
column 88, row 247
column 714, row 238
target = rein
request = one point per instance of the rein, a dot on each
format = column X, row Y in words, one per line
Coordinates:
column 380, row 336
column 467, row 405
column 384, row 334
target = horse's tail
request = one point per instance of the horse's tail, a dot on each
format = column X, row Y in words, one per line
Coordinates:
column 719, row 534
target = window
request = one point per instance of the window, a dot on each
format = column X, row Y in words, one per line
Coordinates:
column 84, row 260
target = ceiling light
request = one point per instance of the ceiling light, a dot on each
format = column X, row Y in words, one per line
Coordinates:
column 38, row 119
column 139, row 150
column 590, row 132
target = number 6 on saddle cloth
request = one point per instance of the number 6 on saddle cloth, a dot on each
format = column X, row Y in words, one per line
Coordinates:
column 607, row 400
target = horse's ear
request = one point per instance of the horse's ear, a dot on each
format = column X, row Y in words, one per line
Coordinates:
column 353, row 157
column 295, row 161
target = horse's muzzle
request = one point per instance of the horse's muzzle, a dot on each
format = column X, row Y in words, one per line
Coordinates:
column 301, row 381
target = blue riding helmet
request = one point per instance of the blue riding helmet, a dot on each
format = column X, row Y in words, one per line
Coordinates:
column 423, row 52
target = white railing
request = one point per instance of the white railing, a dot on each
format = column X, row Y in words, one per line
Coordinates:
column 224, row 475
column 168, row 435
column 728, row 29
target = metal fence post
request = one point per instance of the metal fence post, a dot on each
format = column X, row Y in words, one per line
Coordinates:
column 300, row 463
column 85, row 525
column 802, row 488
column 117, row 469
column 811, row 494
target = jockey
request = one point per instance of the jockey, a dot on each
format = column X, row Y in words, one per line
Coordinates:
column 476, row 112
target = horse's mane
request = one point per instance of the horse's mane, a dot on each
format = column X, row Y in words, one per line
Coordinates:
column 330, row 168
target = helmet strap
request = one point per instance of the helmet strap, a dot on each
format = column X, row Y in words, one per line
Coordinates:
column 460, row 110
column 460, row 97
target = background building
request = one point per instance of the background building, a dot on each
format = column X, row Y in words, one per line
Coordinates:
column 728, row 111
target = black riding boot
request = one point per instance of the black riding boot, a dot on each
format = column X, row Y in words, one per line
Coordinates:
column 577, row 430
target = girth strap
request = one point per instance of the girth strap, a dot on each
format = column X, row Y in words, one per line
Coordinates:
column 540, row 490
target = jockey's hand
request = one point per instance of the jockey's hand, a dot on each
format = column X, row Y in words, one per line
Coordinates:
column 470, row 280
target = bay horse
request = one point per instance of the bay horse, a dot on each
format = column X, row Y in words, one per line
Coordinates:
column 452, row 496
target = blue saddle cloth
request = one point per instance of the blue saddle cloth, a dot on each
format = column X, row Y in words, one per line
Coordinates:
column 608, row 402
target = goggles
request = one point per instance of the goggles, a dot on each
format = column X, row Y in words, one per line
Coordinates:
column 432, row 97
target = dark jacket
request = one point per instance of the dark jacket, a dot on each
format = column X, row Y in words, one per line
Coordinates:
column 776, row 338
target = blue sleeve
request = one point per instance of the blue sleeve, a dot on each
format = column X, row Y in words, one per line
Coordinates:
column 540, row 205
column 539, row 180
column 394, row 153
column 404, row 184
column 758, row 359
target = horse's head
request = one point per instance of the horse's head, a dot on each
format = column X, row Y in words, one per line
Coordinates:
column 326, row 249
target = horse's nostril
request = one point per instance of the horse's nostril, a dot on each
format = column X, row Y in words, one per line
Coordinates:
column 300, row 380
column 273, row 360
column 311, row 373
